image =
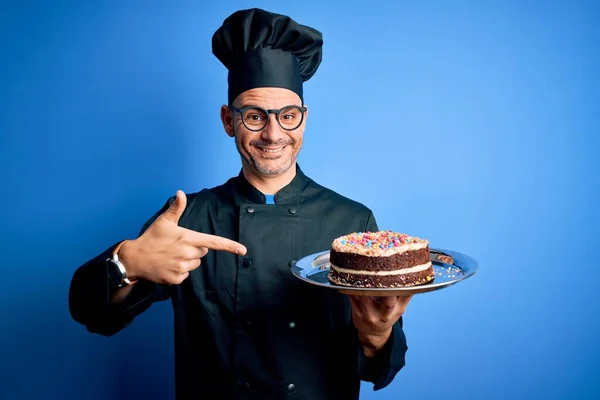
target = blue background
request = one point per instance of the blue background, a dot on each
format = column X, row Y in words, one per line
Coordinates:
column 474, row 124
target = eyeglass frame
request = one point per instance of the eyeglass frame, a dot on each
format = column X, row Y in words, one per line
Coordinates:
column 267, row 112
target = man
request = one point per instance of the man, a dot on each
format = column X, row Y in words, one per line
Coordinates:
column 245, row 327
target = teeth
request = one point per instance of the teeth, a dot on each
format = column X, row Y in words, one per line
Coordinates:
column 272, row 150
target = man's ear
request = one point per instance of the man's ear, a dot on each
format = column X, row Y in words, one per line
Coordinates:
column 305, row 115
column 227, row 120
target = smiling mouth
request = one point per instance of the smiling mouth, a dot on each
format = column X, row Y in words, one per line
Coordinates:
column 271, row 150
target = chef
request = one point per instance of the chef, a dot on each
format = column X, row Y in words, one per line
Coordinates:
column 245, row 327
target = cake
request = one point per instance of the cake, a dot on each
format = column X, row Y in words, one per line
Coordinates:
column 380, row 259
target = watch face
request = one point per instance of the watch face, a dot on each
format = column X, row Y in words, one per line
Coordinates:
column 114, row 274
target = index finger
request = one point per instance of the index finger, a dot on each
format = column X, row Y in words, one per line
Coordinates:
column 214, row 242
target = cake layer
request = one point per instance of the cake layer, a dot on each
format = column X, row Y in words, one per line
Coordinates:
column 403, row 271
column 393, row 262
column 382, row 281
column 382, row 243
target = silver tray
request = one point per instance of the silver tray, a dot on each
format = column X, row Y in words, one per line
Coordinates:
column 450, row 268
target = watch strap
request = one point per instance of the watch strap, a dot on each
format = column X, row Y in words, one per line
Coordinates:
column 115, row 258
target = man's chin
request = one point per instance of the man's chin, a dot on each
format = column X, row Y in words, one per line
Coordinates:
column 271, row 169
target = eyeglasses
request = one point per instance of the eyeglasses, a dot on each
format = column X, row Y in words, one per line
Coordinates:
column 256, row 118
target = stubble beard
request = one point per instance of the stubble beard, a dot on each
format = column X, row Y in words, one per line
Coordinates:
column 262, row 168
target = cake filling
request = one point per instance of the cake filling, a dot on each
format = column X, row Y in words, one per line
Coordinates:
column 403, row 271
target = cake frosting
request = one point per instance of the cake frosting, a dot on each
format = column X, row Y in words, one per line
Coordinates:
column 380, row 259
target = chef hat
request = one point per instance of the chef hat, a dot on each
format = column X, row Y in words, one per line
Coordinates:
column 263, row 49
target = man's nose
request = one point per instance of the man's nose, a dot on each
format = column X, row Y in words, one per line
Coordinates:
column 272, row 131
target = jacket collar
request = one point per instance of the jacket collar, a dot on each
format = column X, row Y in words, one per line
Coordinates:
column 253, row 195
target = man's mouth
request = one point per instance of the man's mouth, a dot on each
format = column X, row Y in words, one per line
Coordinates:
column 271, row 150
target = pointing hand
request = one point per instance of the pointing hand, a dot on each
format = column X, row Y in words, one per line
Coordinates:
column 166, row 253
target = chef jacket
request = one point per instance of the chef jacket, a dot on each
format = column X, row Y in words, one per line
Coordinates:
column 245, row 326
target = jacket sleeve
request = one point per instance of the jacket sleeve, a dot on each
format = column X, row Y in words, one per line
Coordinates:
column 381, row 369
column 90, row 292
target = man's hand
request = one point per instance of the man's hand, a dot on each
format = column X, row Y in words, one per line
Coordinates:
column 166, row 253
column 374, row 318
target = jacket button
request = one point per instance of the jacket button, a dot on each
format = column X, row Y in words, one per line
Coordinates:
column 249, row 209
column 292, row 210
column 292, row 324
column 247, row 263
column 291, row 387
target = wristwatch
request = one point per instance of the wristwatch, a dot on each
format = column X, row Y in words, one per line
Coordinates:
column 116, row 270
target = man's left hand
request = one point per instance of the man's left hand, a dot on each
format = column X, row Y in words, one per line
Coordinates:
column 374, row 318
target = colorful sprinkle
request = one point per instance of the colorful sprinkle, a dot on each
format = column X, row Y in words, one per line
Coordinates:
column 382, row 239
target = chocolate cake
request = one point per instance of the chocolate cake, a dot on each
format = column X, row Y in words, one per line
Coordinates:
column 379, row 260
